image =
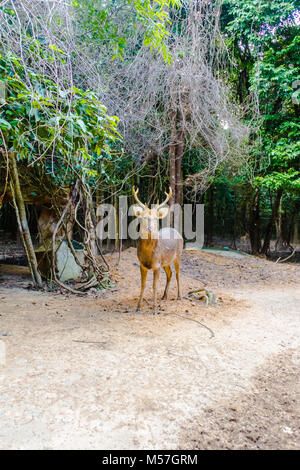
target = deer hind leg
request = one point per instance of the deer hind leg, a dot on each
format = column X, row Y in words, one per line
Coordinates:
column 168, row 272
column 155, row 282
column 144, row 272
column 176, row 265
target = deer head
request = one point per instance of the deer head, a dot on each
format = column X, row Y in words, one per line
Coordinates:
column 149, row 217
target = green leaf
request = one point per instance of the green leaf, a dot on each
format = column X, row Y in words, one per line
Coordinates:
column 4, row 124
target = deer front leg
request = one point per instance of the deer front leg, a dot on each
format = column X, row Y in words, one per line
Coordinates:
column 155, row 282
column 144, row 272
column 176, row 265
column 168, row 272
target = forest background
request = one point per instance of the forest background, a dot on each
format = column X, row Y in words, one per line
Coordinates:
column 99, row 96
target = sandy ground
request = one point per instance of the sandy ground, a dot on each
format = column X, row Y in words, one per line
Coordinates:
column 89, row 373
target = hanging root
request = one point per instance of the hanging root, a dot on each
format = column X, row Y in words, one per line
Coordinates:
column 92, row 282
column 94, row 271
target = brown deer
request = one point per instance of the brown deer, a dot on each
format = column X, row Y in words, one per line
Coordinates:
column 157, row 248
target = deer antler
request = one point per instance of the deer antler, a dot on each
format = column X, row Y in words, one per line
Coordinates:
column 134, row 192
column 158, row 206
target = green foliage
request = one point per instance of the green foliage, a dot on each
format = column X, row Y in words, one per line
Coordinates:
column 154, row 16
column 289, row 180
column 265, row 39
column 97, row 18
column 68, row 131
column 273, row 79
column 256, row 20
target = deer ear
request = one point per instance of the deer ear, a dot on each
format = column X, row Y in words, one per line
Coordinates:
column 137, row 210
column 163, row 212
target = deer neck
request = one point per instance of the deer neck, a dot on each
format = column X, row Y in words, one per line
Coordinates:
column 147, row 245
column 149, row 239
column 146, row 251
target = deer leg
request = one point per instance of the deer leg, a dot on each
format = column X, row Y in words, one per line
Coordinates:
column 176, row 265
column 155, row 282
column 144, row 272
column 168, row 272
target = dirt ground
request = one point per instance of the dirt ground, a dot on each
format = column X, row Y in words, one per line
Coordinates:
column 90, row 373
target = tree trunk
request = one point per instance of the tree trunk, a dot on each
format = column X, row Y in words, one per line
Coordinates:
column 280, row 235
column 176, row 149
column 172, row 153
column 295, row 230
column 90, row 224
column 274, row 215
column 254, row 224
column 22, row 221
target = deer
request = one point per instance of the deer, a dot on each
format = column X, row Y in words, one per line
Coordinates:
column 157, row 248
